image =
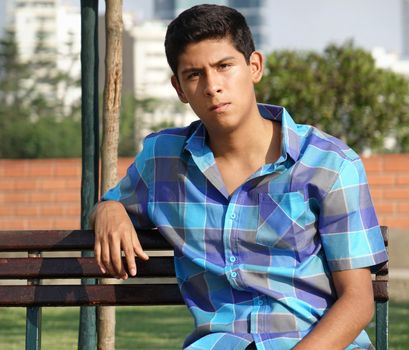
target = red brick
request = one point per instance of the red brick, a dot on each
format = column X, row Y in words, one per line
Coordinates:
column 15, row 168
column 51, row 210
column 7, row 210
column 26, row 184
column 402, row 179
column 67, row 224
column 26, row 210
column 15, row 197
column 401, row 222
column 73, row 183
column 72, row 210
column 403, row 208
column 12, row 224
column 385, row 208
column 376, row 193
column 396, row 162
column 74, row 170
column 69, row 196
column 376, row 179
column 41, row 224
column 53, row 184
column 373, row 164
column 43, row 170
column 7, row 184
column 41, row 197
column 397, row 194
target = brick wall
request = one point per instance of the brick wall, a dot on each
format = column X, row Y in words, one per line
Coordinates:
column 388, row 177
column 45, row 194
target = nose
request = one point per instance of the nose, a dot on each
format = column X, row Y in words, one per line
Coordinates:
column 212, row 85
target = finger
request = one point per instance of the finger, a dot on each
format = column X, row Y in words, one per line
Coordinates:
column 130, row 257
column 97, row 253
column 138, row 248
column 116, row 260
column 106, row 258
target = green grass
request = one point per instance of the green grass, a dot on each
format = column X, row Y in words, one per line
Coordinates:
column 162, row 328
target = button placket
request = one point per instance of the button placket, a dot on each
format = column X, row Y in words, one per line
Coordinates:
column 230, row 244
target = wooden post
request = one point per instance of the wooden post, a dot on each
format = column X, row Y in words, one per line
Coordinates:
column 110, row 139
column 87, row 339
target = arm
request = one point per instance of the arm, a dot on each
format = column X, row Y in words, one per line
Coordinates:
column 115, row 232
column 348, row 316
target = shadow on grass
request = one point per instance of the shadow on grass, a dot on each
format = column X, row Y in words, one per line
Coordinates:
column 152, row 327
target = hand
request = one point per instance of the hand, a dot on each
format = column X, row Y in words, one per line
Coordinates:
column 114, row 233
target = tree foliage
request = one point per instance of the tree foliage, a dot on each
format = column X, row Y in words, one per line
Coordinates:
column 342, row 92
column 34, row 121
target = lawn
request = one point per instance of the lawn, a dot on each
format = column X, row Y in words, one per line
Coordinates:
column 146, row 327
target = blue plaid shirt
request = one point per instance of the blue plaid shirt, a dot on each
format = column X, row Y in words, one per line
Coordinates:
column 256, row 265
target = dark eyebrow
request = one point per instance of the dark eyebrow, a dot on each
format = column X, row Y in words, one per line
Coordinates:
column 194, row 69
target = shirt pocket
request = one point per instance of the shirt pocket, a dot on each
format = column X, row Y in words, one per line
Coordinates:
column 281, row 217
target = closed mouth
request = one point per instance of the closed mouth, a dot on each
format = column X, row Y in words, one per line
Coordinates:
column 220, row 107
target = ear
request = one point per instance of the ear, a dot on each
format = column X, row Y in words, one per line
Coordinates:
column 257, row 66
column 175, row 83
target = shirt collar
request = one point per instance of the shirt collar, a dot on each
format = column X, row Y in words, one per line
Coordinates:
column 291, row 138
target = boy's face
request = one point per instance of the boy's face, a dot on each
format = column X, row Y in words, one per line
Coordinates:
column 218, row 83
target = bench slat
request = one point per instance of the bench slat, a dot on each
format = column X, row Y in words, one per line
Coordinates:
column 127, row 294
column 74, row 267
column 55, row 240
column 78, row 295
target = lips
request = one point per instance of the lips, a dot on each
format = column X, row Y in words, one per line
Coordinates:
column 220, row 107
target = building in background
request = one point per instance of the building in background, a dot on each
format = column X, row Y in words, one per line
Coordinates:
column 254, row 11
column 49, row 30
column 392, row 61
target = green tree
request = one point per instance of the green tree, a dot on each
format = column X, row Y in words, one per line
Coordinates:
column 34, row 123
column 342, row 92
column 132, row 123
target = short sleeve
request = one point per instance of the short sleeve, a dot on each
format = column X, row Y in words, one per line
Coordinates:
column 348, row 226
column 133, row 189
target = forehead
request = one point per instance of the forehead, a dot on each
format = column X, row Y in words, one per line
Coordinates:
column 207, row 51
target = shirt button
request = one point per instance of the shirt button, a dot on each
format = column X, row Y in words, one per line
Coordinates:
column 233, row 274
column 260, row 302
column 233, row 216
column 232, row 259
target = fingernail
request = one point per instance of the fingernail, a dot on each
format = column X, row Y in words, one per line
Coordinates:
column 133, row 271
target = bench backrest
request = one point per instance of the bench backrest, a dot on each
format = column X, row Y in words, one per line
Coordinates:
column 34, row 267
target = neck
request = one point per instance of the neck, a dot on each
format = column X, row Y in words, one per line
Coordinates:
column 258, row 142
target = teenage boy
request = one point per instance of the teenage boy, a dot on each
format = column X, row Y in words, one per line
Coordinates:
column 272, row 224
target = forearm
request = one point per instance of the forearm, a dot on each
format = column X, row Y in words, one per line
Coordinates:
column 340, row 326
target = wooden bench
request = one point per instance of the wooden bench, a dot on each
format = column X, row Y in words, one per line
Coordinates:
column 33, row 268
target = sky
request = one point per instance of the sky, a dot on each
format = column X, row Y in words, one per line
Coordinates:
column 311, row 24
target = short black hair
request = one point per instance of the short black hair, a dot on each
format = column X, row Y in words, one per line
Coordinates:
column 203, row 22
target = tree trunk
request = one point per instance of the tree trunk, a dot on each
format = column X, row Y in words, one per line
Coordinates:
column 110, row 138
